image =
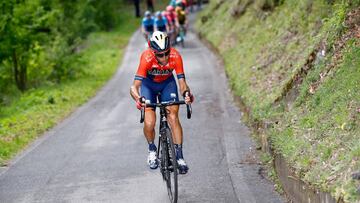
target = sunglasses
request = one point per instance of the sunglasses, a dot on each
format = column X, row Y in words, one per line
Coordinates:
column 163, row 54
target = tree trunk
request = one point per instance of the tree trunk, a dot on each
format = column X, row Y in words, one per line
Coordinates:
column 19, row 75
column 23, row 76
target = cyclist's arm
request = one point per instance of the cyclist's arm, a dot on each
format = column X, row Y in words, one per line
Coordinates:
column 179, row 69
column 167, row 27
column 183, row 86
column 186, row 22
column 156, row 27
column 177, row 24
column 143, row 29
column 140, row 75
column 135, row 89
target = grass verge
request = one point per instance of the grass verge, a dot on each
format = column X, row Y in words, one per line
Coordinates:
column 295, row 64
column 32, row 113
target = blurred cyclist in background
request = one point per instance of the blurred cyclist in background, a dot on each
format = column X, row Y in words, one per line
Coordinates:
column 161, row 23
column 172, row 3
column 191, row 5
column 172, row 20
column 182, row 18
column 182, row 4
column 147, row 27
column 183, row 23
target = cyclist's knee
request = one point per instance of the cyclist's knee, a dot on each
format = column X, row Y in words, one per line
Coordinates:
column 149, row 122
column 149, row 125
column 173, row 118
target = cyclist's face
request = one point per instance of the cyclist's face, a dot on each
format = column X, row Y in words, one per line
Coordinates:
column 163, row 57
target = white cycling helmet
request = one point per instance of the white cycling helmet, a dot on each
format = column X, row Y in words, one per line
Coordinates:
column 147, row 14
column 159, row 42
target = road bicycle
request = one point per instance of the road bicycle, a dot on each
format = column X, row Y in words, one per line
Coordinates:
column 166, row 150
column 181, row 36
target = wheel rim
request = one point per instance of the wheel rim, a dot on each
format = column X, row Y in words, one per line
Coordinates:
column 172, row 176
column 169, row 176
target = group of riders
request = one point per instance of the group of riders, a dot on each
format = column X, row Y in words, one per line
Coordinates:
column 171, row 21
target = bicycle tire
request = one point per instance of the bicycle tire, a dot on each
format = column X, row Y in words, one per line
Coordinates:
column 172, row 179
column 163, row 158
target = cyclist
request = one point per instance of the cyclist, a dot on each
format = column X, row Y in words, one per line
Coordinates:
column 181, row 3
column 161, row 23
column 147, row 25
column 171, row 18
column 172, row 3
column 182, row 19
column 155, row 77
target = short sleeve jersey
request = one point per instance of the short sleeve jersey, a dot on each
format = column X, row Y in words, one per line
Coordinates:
column 181, row 17
column 161, row 24
column 148, row 23
column 150, row 68
column 170, row 17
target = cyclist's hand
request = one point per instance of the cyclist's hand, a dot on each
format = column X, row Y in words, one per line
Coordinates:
column 140, row 103
column 189, row 98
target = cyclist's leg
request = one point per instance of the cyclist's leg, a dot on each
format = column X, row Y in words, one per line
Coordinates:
column 184, row 27
column 150, row 118
column 173, row 120
column 145, row 36
column 149, row 124
column 171, row 34
column 176, row 32
column 173, row 117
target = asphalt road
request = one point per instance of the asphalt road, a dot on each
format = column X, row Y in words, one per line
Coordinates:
column 99, row 153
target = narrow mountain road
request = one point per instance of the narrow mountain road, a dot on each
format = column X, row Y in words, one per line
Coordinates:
column 99, row 153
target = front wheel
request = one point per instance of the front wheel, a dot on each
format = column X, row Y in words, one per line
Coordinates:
column 172, row 180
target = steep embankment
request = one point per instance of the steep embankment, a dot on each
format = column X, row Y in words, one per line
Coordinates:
column 296, row 67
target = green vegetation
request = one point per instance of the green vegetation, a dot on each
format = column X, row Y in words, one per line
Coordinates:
column 295, row 64
column 59, row 82
column 37, row 110
column 38, row 39
column 66, row 50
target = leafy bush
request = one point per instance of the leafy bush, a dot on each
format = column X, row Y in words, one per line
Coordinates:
column 38, row 38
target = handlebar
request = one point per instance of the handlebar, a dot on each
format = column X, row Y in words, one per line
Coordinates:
column 165, row 104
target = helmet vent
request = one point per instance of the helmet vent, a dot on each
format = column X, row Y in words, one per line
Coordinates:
column 159, row 41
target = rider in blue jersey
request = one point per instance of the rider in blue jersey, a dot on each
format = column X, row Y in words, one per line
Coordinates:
column 161, row 23
column 147, row 25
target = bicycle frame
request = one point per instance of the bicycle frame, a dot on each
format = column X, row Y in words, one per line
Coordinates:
column 162, row 128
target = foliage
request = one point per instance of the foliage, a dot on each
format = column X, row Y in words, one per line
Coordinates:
column 67, row 57
column 38, row 109
column 38, row 38
column 295, row 66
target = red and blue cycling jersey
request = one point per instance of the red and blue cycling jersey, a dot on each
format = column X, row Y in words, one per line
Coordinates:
column 150, row 68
